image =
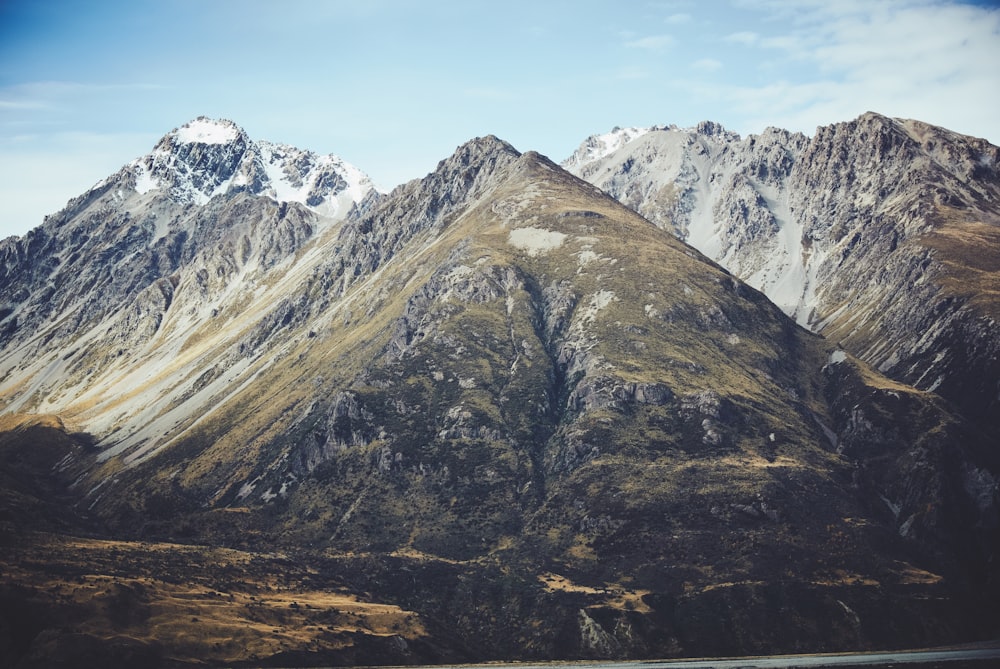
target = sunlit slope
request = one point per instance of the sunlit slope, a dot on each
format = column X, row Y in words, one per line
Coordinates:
column 525, row 372
column 878, row 233
column 515, row 408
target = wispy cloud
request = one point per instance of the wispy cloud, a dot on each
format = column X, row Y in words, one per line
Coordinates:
column 53, row 96
column 743, row 37
column 932, row 60
column 72, row 162
column 677, row 19
column 63, row 88
column 651, row 43
column 792, row 44
column 22, row 105
column 707, row 65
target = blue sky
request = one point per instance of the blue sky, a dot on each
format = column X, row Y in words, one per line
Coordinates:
column 395, row 86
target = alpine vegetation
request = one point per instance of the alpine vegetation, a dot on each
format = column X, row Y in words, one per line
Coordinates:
column 689, row 394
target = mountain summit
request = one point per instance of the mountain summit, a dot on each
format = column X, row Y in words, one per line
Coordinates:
column 120, row 278
column 209, row 157
column 493, row 414
column 881, row 234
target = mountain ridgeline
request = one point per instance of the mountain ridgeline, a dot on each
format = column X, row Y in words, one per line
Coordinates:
column 881, row 234
column 497, row 413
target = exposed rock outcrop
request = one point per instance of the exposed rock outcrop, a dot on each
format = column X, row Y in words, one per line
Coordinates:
column 495, row 409
column 878, row 233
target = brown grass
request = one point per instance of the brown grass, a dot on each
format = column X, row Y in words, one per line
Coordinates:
column 970, row 254
column 18, row 421
column 910, row 575
column 253, row 611
column 610, row 595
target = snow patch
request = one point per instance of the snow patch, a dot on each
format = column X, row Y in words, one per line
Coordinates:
column 206, row 131
column 602, row 298
column 837, row 357
column 535, row 240
column 904, row 529
column 294, row 175
column 597, row 147
column 144, row 181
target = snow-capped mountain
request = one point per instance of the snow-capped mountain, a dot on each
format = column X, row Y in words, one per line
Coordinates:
column 207, row 157
column 493, row 414
column 598, row 147
column 879, row 233
column 121, row 278
column 692, row 182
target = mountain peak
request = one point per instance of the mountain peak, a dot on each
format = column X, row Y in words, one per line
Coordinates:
column 713, row 129
column 545, row 423
column 479, row 148
column 204, row 130
column 475, row 167
column 208, row 157
column 596, row 147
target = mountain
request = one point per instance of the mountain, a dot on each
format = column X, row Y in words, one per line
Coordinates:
column 492, row 414
column 207, row 157
column 118, row 282
column 881, row 234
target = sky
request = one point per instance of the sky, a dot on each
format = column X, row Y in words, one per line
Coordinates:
column 394, row 86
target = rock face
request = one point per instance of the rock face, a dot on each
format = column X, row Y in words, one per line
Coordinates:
column 132, row 273
column 206, row 157
column 501, row 406
column 881, row 234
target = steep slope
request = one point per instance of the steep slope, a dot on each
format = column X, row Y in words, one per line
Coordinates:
column 879, row 233
column 110, row 304
column 516, row 420
column 206, row 157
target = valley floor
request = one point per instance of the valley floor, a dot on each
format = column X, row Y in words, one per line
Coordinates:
column 87, row 602
column 68, row 601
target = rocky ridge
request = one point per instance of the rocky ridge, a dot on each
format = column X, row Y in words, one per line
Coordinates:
column 877, row 233
column 132, row 273
column 500, row 409
column 209, row 157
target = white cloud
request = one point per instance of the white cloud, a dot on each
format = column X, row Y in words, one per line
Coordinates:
column 22, row 105
column 707, row 65
column 677, row 19
column 793, row 45
column 934, row 61
column 744, row 37
column 651, row 43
